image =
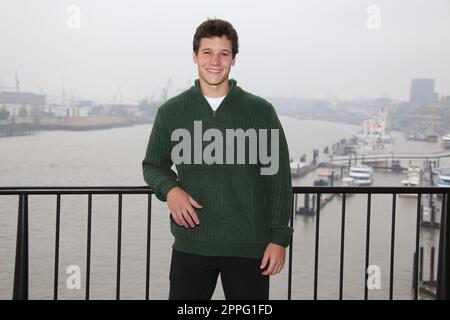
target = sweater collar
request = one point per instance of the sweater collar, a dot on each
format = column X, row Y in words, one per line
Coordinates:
column 232, row 83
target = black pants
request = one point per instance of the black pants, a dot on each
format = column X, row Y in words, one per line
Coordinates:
column 194, row 277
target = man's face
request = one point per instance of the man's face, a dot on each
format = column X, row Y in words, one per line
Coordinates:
column 214, row 60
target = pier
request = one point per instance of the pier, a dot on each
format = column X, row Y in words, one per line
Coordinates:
column 17, row 129
column 393, row 159
column 427, row 288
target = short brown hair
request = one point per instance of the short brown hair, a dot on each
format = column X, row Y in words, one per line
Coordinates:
column 216, row 28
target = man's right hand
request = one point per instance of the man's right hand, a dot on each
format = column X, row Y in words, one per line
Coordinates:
column 181, row 207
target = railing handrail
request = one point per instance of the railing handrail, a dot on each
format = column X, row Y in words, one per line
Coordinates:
column 295, row 189
column 76, row 190
column 370, row 190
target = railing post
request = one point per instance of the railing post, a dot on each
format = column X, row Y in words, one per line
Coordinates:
column 291, row 224
column 443, row 273
column 20, row 290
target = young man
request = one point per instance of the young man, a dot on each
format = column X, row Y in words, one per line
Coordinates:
column 229, row 212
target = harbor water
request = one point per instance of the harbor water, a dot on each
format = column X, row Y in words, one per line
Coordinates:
column 113, row 158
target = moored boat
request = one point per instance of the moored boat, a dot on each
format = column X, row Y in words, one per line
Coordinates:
column 413, row 179
column 444, row 178
column 445, row 142
column 362, row 175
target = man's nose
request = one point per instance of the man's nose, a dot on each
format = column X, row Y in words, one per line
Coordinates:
column 215, row 59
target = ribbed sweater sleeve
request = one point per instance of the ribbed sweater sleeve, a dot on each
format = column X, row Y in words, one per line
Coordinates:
column 157, row 162
column 279, row 189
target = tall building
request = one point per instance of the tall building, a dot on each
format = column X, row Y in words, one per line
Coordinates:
column 422, row 92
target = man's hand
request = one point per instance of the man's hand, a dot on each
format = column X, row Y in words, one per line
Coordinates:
column 181, row 207
column 275, row 256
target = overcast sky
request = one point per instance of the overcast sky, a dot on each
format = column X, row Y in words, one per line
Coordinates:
column 287, row 48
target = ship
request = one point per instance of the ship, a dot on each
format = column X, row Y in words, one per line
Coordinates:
column 373, row 138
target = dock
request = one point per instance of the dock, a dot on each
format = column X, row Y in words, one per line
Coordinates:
column 16, row 129
column 81, row 124
column 392, row 158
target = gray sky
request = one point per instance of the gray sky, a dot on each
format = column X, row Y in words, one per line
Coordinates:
column 287, row 48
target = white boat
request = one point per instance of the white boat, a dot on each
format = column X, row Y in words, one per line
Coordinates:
column 445, row 142
column 362, row 175
column 444, row 178
column 347, row 182
column 413, row 179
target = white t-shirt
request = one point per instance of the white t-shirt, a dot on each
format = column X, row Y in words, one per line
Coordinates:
column 214, row 102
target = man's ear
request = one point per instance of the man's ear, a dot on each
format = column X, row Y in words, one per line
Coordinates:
column 233, row 61
column 194, row 57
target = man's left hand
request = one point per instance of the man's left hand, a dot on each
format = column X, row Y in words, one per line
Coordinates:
column 275, row 257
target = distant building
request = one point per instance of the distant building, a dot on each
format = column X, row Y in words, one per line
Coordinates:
column 22, row 98
column 14, row 101
column 422, row 92
column 82, row 108
column 83, row 103
column 62, row 111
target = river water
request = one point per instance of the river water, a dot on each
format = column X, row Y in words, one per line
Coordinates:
column 113, row 158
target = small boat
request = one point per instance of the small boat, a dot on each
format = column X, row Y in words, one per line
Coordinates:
column 444, row 178
column 346, row 182
column 324, row 179
column 413, row 179
column 362, row 175
column 431, row 137
column 421, row 135
column 445, row 143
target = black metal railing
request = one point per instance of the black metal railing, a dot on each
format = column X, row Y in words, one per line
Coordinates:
column 20, row 290
column 443, row 281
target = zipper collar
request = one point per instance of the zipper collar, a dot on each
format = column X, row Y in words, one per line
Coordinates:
column 233, row 89
column 231, row 82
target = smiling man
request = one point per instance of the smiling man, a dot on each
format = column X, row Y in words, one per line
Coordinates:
column 214, row 57
column 227, row 217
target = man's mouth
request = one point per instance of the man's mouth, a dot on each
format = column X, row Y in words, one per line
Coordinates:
column 215, row 71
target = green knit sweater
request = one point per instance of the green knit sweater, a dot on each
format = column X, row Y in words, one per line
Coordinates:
column 243, row 210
